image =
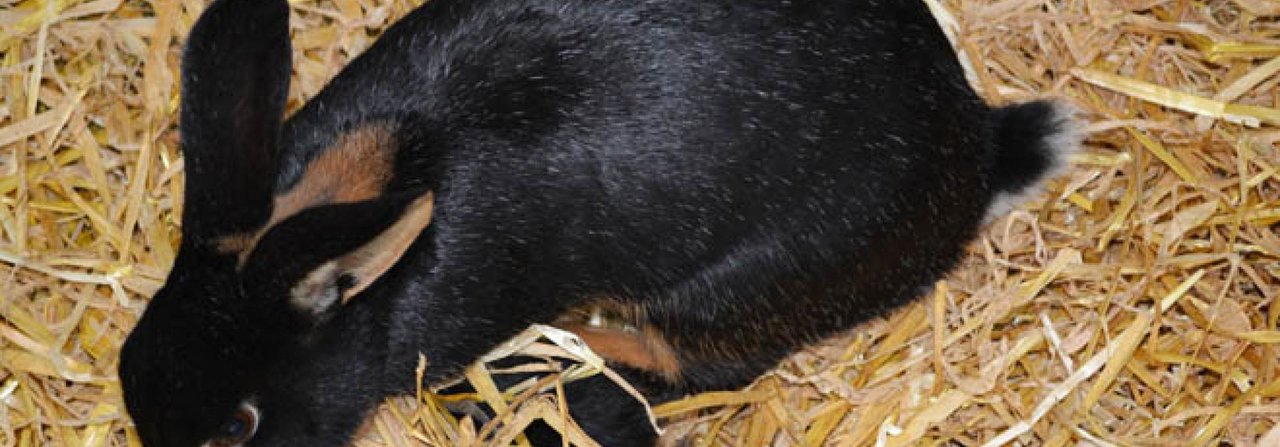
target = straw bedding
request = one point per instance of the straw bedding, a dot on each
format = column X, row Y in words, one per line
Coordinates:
column 1134, row 304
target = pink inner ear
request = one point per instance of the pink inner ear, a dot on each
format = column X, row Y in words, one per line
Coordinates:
column 316, row 291
column 369, row 262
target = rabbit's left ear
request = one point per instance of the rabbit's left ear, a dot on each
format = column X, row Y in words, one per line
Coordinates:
column 235, row 81
column 326, row 255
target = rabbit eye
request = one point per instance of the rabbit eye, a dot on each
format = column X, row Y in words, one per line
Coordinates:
column 239, row 429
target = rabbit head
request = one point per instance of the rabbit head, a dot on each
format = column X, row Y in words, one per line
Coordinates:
column 259, row 277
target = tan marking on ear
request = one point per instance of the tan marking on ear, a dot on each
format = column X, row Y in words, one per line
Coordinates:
column 357, row 167
column 318, row 290
column 374, row 258
column 644, row 349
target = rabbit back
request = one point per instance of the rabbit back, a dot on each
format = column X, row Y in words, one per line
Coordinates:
column 763, row 173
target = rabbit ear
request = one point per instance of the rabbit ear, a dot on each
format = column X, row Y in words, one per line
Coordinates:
column 346, row 276
column 235, row 81
column 326, row 255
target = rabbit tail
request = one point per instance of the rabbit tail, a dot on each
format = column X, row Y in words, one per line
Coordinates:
column 1033, row 142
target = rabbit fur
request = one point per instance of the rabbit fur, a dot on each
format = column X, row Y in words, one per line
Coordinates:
column 739, row 178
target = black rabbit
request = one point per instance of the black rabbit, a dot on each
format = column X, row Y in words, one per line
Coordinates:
column 735, row 178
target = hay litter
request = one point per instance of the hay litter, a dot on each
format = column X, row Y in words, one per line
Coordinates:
column 1133, row 305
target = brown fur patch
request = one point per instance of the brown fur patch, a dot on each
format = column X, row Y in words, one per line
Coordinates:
column 619, row 333
column 357, row 167
column 644, row 349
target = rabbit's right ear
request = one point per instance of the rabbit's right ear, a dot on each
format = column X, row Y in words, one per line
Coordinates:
column 323, row 256
column 235, row 81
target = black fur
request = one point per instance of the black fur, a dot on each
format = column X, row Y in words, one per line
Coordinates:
column 1023, row 153
column 235, row 80
column 754, row 174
